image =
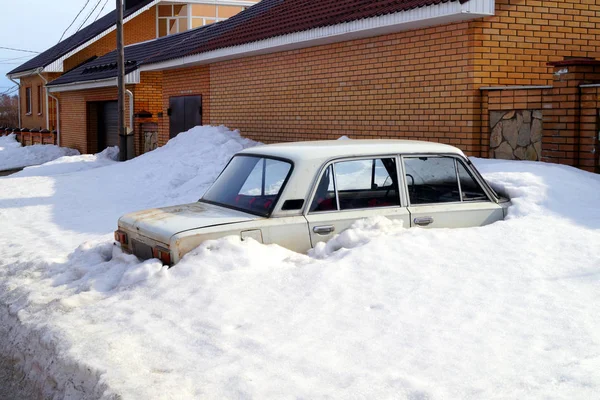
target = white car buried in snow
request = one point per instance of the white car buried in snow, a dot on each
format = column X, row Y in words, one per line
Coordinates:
column 298, row 194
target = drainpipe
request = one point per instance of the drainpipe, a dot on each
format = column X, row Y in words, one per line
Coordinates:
column 37, row 71
column 18, row 98
column 130, row 94
column 129, row 133
column 57, row 119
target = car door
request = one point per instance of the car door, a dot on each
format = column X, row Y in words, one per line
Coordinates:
column 444, row 193
column 353, row 189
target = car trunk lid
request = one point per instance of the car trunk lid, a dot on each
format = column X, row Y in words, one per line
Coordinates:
column 161, row 223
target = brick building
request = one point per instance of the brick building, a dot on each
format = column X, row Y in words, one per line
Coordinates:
column 504, row 78
column 143, row 20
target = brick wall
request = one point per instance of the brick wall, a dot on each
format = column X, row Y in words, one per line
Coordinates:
column 36, row 119
column 184, row 82
column 148, row 98
column 139, row 29
column 78, row 126
column 571, row 125
column 415, row 84
column 514, row 46
column 421, row 84
column 74, row 116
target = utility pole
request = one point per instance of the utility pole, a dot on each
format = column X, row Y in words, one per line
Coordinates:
column 121, row 83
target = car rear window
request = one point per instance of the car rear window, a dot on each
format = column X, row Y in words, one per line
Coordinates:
column 250, row 183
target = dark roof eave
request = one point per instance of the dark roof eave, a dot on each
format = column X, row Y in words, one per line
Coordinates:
column 69, row 44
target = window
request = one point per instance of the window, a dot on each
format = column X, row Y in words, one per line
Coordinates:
column 172, row 19
column 325, row 199
column 28, row 105
column 176, row 18
column 250, row 184
column 358, row 184
column 471, row 190
column 39, row 102
column 433, row 180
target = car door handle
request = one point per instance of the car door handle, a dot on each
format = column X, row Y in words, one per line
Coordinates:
column 323, row 230
column 423, row 221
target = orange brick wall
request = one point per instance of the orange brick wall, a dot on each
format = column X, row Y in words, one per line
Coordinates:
column 74, row 116
column 421, row 84
column 589, row 143
column 35, row 119
column 184, row 82
column 571, row 125
column 138, row 29
column 513, row 47
column 148, row 98
column 79, row 132
column 415, row 84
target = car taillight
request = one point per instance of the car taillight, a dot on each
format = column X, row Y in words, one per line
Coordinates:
column 121, row 237
column 162, row 254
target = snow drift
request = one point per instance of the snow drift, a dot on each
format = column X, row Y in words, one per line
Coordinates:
column 13, row 155
column 503, row 311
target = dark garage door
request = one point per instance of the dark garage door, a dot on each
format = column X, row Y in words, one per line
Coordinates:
column 108, row 132
column 185, row 112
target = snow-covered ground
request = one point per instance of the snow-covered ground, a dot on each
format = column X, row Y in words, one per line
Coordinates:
column 504, row 311
column 14, row 156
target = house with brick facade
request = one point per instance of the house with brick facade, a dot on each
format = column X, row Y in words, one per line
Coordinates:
column 514, row 79
column 143, row 20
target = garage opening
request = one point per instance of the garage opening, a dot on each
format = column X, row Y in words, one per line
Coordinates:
column 185, row 112
column 108, row 129
column 103, row 125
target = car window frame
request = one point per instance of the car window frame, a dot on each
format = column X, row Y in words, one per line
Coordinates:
column 332, row 162
column 277, row 198
column 468, row 167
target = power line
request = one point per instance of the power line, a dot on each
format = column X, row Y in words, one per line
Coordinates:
column 13, row 49
column 74, row 19
column 89, row 15
column 16, row 58
column 10, row 90
column 102, row 9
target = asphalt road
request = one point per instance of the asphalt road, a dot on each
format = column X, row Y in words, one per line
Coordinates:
column 10, row 383
column 9, row 171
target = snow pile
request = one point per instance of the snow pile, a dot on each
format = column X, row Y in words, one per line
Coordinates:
column 13, row 155
column 70, row 164
column 502, row 311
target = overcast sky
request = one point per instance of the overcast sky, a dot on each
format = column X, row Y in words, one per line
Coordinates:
column 37, row 25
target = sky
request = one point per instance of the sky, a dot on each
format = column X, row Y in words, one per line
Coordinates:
column 40, row 27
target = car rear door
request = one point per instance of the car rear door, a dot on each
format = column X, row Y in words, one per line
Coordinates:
column 353, row 189
column 444, row 193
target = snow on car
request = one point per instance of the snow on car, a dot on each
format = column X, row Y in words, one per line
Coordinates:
column 299, row 194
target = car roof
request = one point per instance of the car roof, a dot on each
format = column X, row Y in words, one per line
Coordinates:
column 323, row 150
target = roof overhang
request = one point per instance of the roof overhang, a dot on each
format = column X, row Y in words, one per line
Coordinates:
column 24, row 74
column 423, row 17
column 132, row 78
column 57, row 65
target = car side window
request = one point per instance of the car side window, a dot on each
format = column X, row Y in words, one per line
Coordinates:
column 367, row 183
column 358, row 184
column 431, row 180
column 471, row 189
column 324, row 199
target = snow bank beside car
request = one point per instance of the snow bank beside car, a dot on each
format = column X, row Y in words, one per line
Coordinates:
column 13, row 155
column 502, row 311
column 71, row 164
